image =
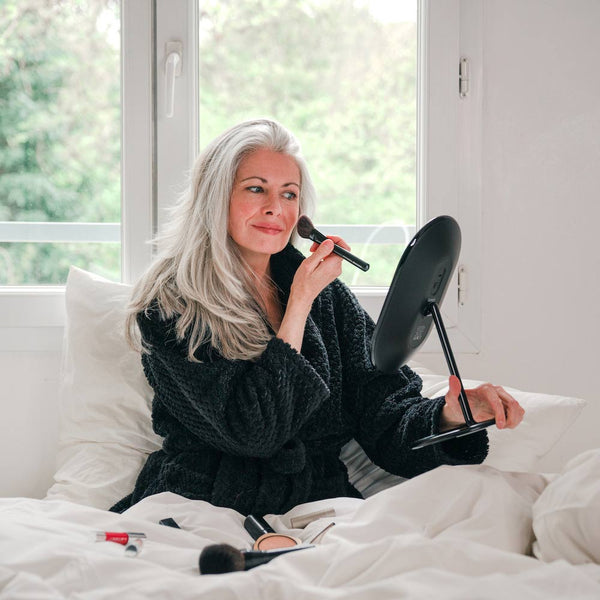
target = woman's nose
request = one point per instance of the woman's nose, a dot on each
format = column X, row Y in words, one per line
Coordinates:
column 272, row 205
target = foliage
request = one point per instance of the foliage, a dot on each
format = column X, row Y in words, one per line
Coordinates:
column 59, row 130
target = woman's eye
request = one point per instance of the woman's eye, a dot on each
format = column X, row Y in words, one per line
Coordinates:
column 290, row 195
column 255, row 189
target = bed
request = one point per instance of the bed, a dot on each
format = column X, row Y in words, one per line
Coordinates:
column 495, row 530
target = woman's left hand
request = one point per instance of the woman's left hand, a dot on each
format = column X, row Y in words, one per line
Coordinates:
column 487, row 401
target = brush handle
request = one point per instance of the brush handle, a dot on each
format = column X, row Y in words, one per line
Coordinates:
column 319, row 238
column 255, row 558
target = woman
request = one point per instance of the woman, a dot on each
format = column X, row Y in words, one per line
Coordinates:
column 260, row 358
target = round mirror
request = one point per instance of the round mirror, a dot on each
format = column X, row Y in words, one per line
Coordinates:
column 422, row 276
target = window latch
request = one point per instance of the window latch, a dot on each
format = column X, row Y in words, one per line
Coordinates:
column 173, row 53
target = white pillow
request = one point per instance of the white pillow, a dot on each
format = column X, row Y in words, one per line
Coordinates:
column 106, row 430
column 566, row 516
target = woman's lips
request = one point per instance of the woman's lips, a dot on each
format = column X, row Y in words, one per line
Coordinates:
column 268, row 229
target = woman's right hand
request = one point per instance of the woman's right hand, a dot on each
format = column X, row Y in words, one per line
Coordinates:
column 314, row 274
column 317, row 271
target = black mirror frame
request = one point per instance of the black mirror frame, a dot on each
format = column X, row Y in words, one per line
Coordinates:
column 411, row 307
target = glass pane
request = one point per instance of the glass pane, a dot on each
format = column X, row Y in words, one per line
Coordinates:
column 30, row 263
column 59, row 128
column 341, row 74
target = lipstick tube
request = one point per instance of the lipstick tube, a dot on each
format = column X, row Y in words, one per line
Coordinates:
column 119, row 537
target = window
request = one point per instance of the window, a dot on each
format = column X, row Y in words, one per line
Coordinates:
column 428, row 163
column 60, row 116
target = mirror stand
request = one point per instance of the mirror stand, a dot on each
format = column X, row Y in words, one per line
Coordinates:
column 470, row 425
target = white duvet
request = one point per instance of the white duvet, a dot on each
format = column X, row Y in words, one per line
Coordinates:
column 455, row 532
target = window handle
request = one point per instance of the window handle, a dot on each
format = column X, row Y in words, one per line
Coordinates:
column 172, row 70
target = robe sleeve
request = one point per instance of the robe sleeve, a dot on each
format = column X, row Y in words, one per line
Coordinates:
column 388, row 411
column 241, row 407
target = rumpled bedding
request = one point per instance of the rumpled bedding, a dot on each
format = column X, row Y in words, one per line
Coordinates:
column 454, row 532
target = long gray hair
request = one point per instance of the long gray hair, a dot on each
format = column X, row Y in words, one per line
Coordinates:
column 198, row 275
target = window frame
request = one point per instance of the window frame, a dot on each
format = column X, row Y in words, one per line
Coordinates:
column 450, row 153
column 449, row 158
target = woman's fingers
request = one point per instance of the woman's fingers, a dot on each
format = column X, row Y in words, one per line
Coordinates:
column 322, row 251
column 487, row 401
column 316, row 272
column 453, row 390
column 514, row 411
column 496, row 405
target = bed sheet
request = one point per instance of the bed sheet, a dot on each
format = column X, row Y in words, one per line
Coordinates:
column 455, row 532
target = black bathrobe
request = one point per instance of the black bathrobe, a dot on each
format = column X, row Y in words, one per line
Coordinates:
column 265, row 435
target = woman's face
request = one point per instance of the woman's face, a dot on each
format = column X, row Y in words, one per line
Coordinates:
column 264, row 204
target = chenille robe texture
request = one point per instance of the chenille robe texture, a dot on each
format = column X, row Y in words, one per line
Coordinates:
column 261, row 436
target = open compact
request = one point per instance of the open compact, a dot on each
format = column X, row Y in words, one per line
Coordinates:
column 265, row 537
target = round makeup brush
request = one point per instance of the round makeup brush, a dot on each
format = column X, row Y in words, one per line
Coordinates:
column 307, row 230
column 220, row 558
column 223, row 558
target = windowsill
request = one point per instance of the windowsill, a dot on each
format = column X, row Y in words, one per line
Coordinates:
column 32, row 319
column 29, row 290
column 32, row 306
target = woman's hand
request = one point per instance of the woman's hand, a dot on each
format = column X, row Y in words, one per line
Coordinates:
column 487, row 401
column 317, row 271
column 314, row 274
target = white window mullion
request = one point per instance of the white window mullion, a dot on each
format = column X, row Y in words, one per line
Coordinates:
column 439, row 37
column 451, row 152
column 50, row 232
column 137, row 164
column 470, row 150
column 176, row 99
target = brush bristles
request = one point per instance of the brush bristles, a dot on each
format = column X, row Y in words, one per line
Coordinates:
column 221, row 558
column 304, row 227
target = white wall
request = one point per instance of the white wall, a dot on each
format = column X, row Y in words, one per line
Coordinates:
column 541, row 223
column 28, row 405
column 541, row 203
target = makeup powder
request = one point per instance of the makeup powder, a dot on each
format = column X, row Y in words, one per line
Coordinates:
column 272, row 541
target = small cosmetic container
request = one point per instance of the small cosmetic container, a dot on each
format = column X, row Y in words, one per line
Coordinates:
column 134, row 547
column 265, row 537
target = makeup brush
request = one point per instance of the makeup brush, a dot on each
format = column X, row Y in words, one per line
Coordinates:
column 307, row 230
column 223, row 558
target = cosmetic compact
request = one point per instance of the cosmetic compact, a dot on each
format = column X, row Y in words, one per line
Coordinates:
column 265, row 537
